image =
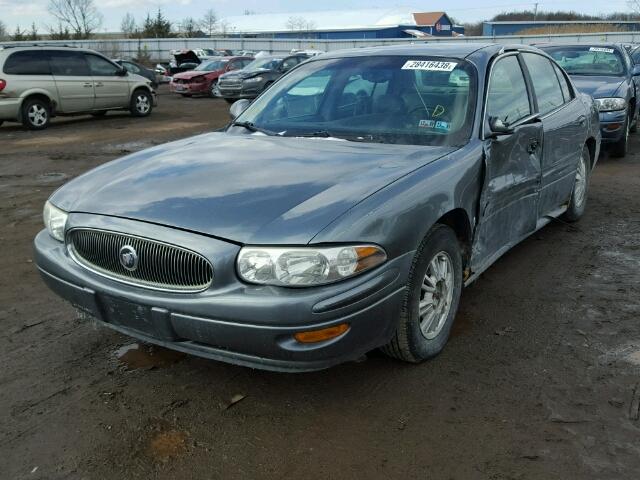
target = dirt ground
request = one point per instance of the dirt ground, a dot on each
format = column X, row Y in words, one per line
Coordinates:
column 540, row 380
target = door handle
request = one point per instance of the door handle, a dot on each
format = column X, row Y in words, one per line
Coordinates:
column 88, row 85
column 99, row 84
column 533, row 146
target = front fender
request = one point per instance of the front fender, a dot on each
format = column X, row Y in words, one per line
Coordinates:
column 399, row 216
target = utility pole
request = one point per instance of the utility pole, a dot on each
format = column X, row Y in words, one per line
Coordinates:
column 535, row 11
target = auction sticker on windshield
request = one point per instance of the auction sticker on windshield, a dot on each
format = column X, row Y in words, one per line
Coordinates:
column 601, row 49
column 429, row 65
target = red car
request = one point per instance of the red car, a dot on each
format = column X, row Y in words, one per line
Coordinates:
column 203, row 80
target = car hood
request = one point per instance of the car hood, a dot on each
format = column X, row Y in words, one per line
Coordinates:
column 244, row 188
column 246, row 74
column 598, row 86
column 193, row 73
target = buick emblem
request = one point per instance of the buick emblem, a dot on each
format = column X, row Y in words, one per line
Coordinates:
column 128, row 258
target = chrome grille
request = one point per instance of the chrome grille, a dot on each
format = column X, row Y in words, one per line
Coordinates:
column 160, row 266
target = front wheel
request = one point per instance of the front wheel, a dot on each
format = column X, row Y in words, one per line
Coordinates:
column 578, row 201
column 431, row 300
column 214, row 91
column 621, row 147
column 141, row 103
column 36, row 114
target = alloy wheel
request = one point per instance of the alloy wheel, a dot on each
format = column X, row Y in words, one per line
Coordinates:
column 580, row 188
column 436, row 295
column 38, row 115
column 142, row 104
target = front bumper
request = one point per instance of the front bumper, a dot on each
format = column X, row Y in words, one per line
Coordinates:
column 240, row 91
column 612, row 125
column 234, row 322
column 189, row 88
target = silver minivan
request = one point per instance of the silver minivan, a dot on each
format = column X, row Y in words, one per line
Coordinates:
column 39, row 82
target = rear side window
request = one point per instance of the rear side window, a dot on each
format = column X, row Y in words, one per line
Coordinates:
column 131, row 67
column 566, row 90
column 545, row 82
column 28, row 62
column 69, row 64
column 507, row 96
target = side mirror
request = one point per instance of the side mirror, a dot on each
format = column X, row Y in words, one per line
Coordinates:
column 122, row 72
column 635, row 71
column 238, row 107
column 498, row 127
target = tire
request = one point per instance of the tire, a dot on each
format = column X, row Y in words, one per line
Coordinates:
column 1, row 122
column 36, row 114
column 100, row 113
column 634, row 125
column 213, row 89
column 578, row 200
column 141, row 103
column 409, row 343
column 186, row 95
column 621, row 147
column 230, row 101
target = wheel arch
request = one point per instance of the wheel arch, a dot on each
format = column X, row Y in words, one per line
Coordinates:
column 458, row 220
column 37, row 94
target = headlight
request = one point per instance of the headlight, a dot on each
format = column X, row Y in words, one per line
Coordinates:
column 306, row 266
column 253, row 79
column 611, row 104
column 55, row 220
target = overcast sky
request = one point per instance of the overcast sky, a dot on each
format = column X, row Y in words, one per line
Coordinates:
column 24, row 12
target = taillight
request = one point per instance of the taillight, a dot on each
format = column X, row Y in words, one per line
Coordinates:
column 3, row 84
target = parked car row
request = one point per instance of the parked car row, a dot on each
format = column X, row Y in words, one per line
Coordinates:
column 344, row 209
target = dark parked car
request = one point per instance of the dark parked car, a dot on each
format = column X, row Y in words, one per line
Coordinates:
column 341, row 211
column 605, row 72
column 203, row 80
column 134, row 67
column 256, row 77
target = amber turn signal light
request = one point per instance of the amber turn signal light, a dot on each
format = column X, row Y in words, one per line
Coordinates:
column 315, row 336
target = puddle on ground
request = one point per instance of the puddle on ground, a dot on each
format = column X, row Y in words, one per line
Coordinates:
column 166, row 445
column 52, row 177
column 136, row 356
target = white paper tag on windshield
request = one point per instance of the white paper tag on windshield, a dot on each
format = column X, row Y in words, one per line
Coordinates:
column 601, row 49
column 429, row 65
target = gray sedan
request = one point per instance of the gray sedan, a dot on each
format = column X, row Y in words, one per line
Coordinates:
column 341, row 211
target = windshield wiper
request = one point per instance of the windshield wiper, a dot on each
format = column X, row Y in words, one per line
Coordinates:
column 252, row 128
column 318, row 133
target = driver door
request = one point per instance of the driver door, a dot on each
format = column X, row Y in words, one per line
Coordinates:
column 112, row 88
column 509, row 200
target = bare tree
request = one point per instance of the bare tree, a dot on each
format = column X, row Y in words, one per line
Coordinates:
column 3, row 31
column 188, row 28
column 209, row 22
column 33, row 34
column 80, row 16
column 128, row 26
column 300, row 24
column 634, row 6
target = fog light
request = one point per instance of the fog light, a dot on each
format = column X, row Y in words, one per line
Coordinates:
column 613, row 126
column 315, row 336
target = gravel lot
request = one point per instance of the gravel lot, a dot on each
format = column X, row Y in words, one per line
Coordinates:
column 541, row 379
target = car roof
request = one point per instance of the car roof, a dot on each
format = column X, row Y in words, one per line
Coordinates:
column 437, row 49
column 582, row 44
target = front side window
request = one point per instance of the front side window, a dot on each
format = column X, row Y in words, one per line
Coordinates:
column 101, row 67
column 69, row 64
column 131, row 67
column 545, row 82
column 386, row 99
column 28, row 62
column 507, row 98
column 588, row 60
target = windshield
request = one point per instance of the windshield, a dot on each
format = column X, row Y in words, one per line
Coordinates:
column 387, row 99
column 268, row 63
column 586, row 60
column 211, row 66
